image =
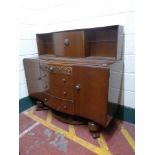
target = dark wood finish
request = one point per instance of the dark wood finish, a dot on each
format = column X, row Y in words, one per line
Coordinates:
column 70, row 119
column 45, row 43
column 72, row 72
column 69, row 44
column 102, row 41
column 92, row 97
column 41, row 106
column 59, row 104
column 105, row 42
column 60, row 80
column 94, row 129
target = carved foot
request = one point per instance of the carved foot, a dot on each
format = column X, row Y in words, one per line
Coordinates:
column 41, row 106
column 94, row 129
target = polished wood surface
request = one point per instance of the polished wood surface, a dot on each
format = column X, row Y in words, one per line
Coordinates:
column 104, row 41
column 69, row 44
column 59, row 104
column 60, row 80
column 82, row 90
column 92, row 98
column 72, row 72
column 45, row 44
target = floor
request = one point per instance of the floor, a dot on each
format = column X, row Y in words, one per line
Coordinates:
column 42, row 134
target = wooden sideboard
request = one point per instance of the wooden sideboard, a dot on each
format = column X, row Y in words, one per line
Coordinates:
column 72, row 73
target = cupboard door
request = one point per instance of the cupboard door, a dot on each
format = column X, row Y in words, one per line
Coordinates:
column 33, row 78
column 69, row 44
column 91, row 92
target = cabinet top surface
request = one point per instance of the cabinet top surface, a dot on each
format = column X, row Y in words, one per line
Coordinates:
column 52, row 59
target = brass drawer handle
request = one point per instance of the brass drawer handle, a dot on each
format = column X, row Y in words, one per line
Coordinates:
column 66, row 42
column 65, row 93
column 77, row 87
column 50, row 69
column 64, row 80
column 45, row 99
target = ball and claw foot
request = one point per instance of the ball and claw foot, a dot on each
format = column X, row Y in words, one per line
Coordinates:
column 41, row 106
column 94, row 129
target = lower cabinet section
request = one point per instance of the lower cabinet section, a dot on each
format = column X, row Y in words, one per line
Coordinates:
column 63, row 93
column 79, row 89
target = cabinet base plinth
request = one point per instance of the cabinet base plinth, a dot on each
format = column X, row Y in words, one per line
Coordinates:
column 69, row 119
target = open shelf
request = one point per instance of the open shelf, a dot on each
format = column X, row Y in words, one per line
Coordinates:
column 99, row 42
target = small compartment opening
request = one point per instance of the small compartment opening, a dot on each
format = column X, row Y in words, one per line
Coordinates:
column 45, row 43
column 102, row 41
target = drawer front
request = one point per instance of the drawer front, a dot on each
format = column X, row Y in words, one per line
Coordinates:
column 57, row 80
column 69, row 44
column 60, row 80
column 59, row 104
column 61, row 85
column 62, row 93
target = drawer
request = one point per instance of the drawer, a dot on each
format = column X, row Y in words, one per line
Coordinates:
column 60, row 80
column 62, row 93
column 59, row 104
column 69, row 43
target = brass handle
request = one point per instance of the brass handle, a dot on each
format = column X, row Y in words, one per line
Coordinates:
column 50, row 69
column 64, row 80
column 66, row 42
column 45, row 99
column 65, row 93
column 77, row 87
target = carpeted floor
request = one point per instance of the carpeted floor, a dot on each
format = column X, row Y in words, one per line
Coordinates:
column 42, row 134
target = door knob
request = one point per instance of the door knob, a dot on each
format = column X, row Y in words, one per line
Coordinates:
column 65, row 93
column 51, row 68
column 45, row 99
column 66, row 42
column 77, row 87
column 64, row 80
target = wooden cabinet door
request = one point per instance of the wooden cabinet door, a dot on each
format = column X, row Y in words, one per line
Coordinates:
column 91, row 92
column 69, row 44
column 33, row 78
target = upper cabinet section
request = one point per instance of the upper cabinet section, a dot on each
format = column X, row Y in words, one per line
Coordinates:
column 104, row 42
column 69, row 44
